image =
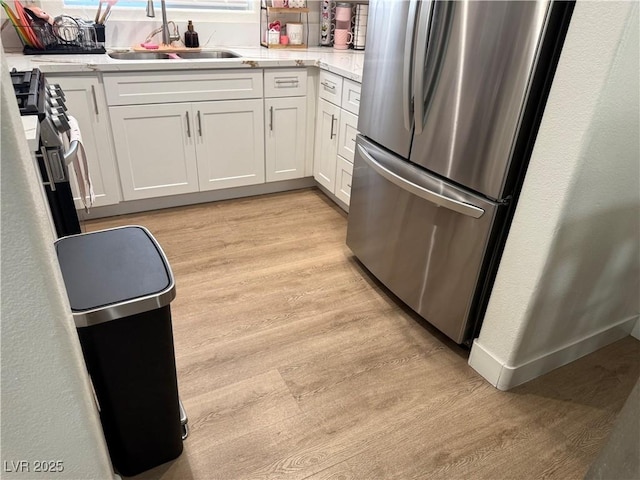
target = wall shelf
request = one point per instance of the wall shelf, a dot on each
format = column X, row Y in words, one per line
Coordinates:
column 277, row 45
column 270, row 14
column 286, row 10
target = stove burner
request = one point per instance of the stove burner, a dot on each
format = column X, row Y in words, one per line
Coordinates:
column 29, row 89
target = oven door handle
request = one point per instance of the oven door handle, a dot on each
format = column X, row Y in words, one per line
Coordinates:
column 71, row 154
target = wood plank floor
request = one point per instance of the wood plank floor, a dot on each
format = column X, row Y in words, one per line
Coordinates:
column 293, row 363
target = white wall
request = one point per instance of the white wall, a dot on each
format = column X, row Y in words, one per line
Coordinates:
column 48, row 412
column 570, row 275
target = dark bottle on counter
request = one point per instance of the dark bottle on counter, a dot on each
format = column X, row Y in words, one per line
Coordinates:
column 191, row 37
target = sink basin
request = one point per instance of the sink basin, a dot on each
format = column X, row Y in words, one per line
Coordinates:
column 166, row 56
column 208, row 54
column 139, row 56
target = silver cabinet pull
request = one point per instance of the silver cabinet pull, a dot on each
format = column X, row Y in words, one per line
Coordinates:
column 293, row 82
column 333, row 118
column 188, row 125
column 199, row 124
column 95, row 99
column 271, row 119
column 328, row 87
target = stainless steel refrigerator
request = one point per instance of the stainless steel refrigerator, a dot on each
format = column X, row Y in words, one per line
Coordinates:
column 452, row 97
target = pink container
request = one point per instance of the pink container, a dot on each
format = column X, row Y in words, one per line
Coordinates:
column 343, row 12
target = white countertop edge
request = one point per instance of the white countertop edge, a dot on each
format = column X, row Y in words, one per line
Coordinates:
column 31, row 127
column 347, row 64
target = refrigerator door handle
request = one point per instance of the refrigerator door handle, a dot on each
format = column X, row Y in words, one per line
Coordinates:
column 434, row 37
column 407, row 90
column 418, row 190
column 424, row 26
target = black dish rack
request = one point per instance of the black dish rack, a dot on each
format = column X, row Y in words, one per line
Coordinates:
column 73, row 38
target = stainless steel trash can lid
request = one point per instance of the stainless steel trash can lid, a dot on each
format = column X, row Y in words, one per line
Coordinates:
column 114, row 273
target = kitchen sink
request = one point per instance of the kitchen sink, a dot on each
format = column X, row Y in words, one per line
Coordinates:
column 139, row 56
column 168, row 56
column 208, row 54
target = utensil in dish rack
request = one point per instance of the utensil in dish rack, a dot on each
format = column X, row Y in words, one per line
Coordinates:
column 107, row 11
column 98, row 12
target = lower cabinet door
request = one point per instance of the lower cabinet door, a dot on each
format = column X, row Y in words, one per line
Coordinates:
column 285, row 137
column 344, row 172
column 155, row 148
column 326, row 149
column 347, row 132
column 229, row 143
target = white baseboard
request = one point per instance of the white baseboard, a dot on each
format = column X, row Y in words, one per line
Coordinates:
column 147, row 204
column 635, row 332
column 505, row 377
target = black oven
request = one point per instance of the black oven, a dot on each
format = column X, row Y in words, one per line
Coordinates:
column 36, row 97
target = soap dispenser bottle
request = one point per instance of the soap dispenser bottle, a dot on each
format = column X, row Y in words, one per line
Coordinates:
column 191, row 37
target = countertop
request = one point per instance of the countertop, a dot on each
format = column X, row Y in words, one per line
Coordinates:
column 347, row 64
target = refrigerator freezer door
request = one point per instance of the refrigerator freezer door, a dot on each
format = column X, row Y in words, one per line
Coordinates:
column 386, row 113
column 423, row 238
column 473, row 80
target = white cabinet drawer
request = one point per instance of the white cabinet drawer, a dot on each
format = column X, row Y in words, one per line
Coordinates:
column 285, row 82
column 330, row 87
column 351, row 96
column 344, row 172
column 135, row 88
column 347, row 131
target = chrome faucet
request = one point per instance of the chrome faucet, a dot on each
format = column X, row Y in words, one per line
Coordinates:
column 167, row 37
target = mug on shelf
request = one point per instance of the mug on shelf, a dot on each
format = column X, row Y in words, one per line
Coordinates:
column 342, row 39
column 284, row 40
column 294, row 31
column 343, row 12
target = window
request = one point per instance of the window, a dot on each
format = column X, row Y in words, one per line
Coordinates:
column 220, row 11
column 203, row 5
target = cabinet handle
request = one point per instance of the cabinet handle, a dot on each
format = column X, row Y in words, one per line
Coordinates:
column 327, row 86
column 271, row 119
column 199, row 124
column 292, row 81
column 188, row 126
column 95, row 99
column 333, row 118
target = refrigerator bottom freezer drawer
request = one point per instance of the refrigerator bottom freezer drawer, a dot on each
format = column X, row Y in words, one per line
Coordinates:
column 423, row 238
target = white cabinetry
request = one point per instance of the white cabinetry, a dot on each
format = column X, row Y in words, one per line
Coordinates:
column 285, row 123
column 204, row 143
column 229, row 143
column 336, row 130
column 155, row 145
column 324, row 162
column 85, row 100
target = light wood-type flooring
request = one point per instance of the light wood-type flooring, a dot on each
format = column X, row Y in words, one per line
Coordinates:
column 293, row 363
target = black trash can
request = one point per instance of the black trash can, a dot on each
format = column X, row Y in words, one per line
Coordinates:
column 120, row 286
